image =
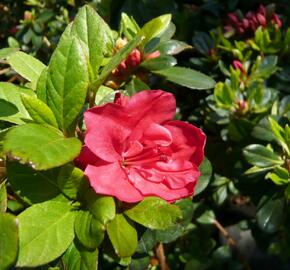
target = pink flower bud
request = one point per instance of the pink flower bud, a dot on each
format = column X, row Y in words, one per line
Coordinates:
column 238, row 65
column 151, row 55
column 134, row 59
column 275, row 19
column 261, row 19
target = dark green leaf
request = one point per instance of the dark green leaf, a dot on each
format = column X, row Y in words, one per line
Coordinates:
column 206, row 172
column 23, row 143
column 123, row 236
column 187, row 77
column 261, row 156
column 270, row 214
column 136, row 85
column 154, row 213
column 8, row 240
column 207, row 217
column 172, row 47
column 45, row 232
column 158, row 63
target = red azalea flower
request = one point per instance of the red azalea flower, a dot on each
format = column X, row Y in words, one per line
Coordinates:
column 134, row 148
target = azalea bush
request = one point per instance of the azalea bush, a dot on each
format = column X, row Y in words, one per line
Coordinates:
column 144, row 135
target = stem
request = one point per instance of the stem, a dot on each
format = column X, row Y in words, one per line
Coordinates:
column 160, row 255
column 232, row 243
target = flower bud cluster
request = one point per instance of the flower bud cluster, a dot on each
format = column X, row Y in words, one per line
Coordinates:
column 251, row 21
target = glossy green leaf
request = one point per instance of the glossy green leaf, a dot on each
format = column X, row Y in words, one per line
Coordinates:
column 270, row 214
column 89, row 231
column 38, row 110
column 268, row 66
column 155, row 213
column 27, row 66
column 158, row 63
column 41, row 86
column 3, row 198
column 118, row 58
column 78, row 258
column 261, row 156
column 40, row 146
column 45, row 232
column 123, row 236
column 204, row 179
column 187, row 77
column 92, row 30
column 154, row 27
column 67, row 81
column 39, row 186
column 8, row 240
column 12, row 109
column 172, row 47
column 103, row 208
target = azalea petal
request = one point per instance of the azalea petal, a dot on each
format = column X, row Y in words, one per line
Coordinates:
column 106, row 131
column 148, row 188
column 111, row 179
column 85, row 158
column 157, row 134
column 134, row 149
column 150, row 106
column 188, row 141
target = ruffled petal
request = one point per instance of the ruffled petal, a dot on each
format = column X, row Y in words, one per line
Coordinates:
column 110, row 179
column 150, row 106
column 157, row 134
column 106, row 131
column 188, row 141
column 148, row 188
column 85, row 158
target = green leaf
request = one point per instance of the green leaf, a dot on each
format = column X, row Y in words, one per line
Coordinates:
column 6, row 52
column 261, row 156
column 103, row 208
column 136, row 85
column 279, row 135
column 204, row 179
column 27, row 66
column 117, row 59
column 39, row 186
column 41, row 86
column 3, row 198
column 154, row 28
column 78, row 258
column 129, row 27
column 45, row 232
column 104, row 95
column 224, row 95
column 154, row 213
column 158, row 63
column 280, row 176
column 208, row 217
column 92, row 30
column 89, row 231
column 38, row 110
column 40, row 146
column 172, row 47
column 8, row 240
column 270, row 214
column 123, row 236
column 267, row 66
column 11, row 107
column 67, row 81
column 187, row 77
